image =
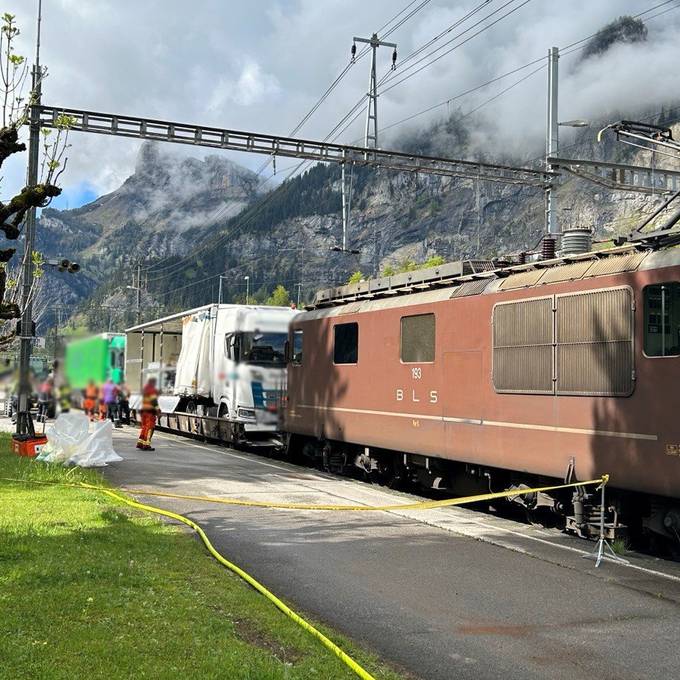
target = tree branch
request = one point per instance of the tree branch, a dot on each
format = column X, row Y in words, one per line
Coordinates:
column 30, row 197
column 9, row 143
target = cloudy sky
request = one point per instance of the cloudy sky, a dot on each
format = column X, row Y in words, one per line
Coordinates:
column 262, row 65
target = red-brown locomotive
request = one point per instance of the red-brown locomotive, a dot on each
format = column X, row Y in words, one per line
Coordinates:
column 468, row 380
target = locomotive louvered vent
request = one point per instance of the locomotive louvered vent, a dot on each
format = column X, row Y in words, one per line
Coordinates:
column 595, row 343
column 523, row 346
column 579, row 344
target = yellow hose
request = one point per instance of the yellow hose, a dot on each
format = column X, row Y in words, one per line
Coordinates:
column 329, row 644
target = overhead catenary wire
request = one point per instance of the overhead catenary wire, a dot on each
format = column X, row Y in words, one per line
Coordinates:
column 564, row 51
column 220, row 213
column 360, row 106
column 357, row 109
column 347, row 68
column 408, row 76
column 302, row 164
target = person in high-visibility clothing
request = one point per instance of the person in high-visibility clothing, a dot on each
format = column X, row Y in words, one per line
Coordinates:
column 64, row 394
column 90, row 401
column 150, row 409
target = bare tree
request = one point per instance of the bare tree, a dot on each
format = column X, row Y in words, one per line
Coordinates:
column 16, row 98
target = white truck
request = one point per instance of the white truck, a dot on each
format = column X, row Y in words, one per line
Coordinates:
column 220, row 362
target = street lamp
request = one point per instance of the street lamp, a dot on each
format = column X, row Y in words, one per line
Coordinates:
column 247, row 280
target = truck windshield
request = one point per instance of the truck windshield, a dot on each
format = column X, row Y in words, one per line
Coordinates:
column 263, row 348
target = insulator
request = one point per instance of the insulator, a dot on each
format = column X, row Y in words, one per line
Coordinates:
column 354, row 51
column 548, row 248
column 394, row 59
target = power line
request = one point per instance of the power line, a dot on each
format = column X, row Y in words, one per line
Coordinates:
column 564, row 51
column 221, row 211
column 455, row 47
column 446, row 31
column 345, row 70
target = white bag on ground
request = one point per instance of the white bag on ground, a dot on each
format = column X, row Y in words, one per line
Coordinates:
column 70, row 442
column 64, row 436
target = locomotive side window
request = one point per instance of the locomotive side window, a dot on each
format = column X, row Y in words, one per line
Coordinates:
column 662, row 319
column 346, row 343
column 523, row 346
column 417, row 338
column 297, row 347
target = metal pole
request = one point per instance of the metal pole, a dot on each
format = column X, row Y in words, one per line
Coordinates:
column 372, row 110
column 247, row 290
column 552, row 140
column 345, row 209
column 299, row 295
column 219, row 294
column 24, row 422
column 139, row 294
column 371, row 136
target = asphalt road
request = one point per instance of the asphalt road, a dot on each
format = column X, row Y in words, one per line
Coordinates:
column 429, row 591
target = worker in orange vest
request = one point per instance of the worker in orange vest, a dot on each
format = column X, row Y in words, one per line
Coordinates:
column 150, row 409
column 90, row 401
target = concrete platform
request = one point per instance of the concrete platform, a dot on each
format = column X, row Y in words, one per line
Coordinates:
column 447, row 593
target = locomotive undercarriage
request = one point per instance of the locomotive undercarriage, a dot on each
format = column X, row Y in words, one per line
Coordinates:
column 578, row 511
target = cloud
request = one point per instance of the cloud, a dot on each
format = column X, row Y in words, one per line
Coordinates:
column 253, row 86
column 261, row 66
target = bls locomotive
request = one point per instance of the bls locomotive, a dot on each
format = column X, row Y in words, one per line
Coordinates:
column 469, row 378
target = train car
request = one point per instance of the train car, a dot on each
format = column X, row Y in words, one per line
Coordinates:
column 97, row 358
column 220, row 369
column 466, row 380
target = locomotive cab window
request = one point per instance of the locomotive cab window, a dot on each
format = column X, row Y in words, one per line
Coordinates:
column 345, row 343
column 662, row 319
column 417, row 338
column 296, row 354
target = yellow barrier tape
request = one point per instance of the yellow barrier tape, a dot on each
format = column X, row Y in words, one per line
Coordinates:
column 420, row 505
column 279, row 604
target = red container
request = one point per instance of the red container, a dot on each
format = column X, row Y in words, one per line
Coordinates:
column 28, row 446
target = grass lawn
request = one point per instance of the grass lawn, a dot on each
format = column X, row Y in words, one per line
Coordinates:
column 91, row 588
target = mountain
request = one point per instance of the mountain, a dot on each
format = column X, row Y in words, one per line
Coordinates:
column 190, row 221
column 160, row 210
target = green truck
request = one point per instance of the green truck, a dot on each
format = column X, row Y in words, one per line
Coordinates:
column 96, row 358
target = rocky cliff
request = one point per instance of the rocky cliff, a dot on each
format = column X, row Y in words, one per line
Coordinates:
column 190, row 221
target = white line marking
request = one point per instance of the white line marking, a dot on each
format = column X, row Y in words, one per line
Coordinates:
column 490, row 423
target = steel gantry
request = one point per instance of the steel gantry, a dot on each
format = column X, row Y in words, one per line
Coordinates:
column 290, row 147
column 620, row 176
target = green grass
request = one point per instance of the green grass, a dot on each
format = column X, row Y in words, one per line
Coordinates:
column 90, row 588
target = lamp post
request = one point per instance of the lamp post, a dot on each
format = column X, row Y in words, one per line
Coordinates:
column 552, row 148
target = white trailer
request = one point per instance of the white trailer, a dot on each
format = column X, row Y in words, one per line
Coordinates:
column 223, row 362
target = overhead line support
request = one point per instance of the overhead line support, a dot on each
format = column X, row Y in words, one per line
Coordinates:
column 290, row 147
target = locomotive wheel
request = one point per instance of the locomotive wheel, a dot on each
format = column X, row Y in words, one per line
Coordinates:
column 390, row 475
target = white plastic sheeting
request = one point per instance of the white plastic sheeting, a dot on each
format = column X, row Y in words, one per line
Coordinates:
column 193, row 365
column 70, row 441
